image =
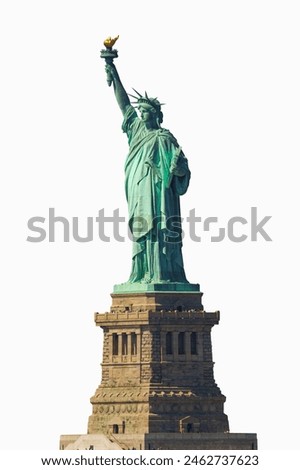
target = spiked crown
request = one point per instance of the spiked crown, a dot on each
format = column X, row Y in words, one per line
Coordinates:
column 140, row 99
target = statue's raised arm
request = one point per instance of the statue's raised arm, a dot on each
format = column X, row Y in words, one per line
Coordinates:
column 120, row 92
column 109, row 54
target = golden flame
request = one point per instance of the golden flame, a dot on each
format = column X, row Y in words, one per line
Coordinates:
column 109, row 42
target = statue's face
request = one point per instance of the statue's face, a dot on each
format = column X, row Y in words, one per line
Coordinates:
column 146, row 114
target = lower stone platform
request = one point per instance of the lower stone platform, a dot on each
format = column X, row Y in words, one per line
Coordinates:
column 160, row 441
column 156, row 301
column 201, row 441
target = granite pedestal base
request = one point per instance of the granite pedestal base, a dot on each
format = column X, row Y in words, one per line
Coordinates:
column 158, row 389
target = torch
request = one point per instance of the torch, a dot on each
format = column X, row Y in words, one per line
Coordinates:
column 109, row 54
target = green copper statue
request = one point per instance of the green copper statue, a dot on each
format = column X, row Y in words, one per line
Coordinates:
column 156, row 175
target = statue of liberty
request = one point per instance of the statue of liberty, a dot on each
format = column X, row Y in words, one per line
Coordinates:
column 156, row 175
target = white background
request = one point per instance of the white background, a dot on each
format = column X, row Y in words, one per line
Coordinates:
column 229, row 73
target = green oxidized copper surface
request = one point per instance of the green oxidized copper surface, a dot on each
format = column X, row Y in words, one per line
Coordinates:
column 156, row 175
column 129, row 287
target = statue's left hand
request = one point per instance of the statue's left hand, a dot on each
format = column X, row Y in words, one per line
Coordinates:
column 176, row 170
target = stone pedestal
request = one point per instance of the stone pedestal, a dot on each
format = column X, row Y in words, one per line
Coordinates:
column 158, row 389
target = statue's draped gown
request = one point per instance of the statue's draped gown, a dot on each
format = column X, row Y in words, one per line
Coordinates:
column 153, row 201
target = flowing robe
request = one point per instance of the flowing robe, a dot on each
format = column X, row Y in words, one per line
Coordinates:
column 152, row 193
